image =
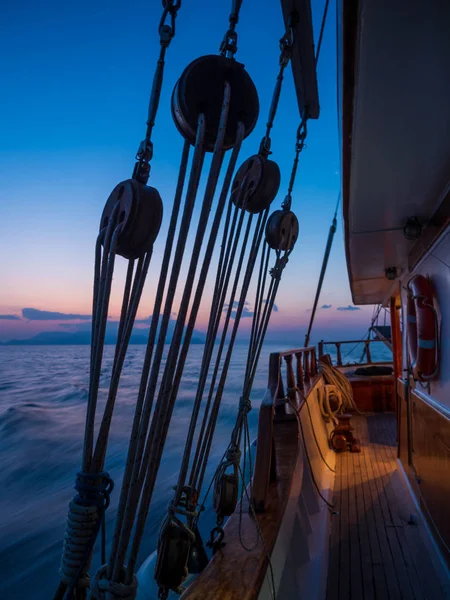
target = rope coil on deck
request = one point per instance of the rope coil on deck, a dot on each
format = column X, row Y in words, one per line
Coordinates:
column 327, row 393
column 334, row 377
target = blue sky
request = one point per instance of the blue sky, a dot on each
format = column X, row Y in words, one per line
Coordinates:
column 76, row 80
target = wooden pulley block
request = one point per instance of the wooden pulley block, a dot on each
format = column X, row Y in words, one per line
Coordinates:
column 200, row 90
column 282, row 230
column 226, row 494
column 256, row 184
column 172, row 557
column 140, row 215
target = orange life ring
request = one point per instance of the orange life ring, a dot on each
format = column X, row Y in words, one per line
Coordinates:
column 422, row 328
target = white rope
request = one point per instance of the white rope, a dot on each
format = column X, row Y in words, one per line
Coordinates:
column 334, row 377
column 82, row 522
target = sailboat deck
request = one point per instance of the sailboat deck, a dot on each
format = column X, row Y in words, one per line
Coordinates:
column 376, row 550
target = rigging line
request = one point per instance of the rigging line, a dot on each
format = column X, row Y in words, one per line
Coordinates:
column 207, row 430
column 147, row 466
column 150, row 342
column 204, row 427
column 322, row 28
column 223, row 278
column 364, row 335
column 95, row 295
column 268, row 306
column 170, row 391
column 174, row 350
column 263, row 330
column 207, row 359
column 323, row 270
column 125, row 306
column 130, row 495
column 338, row 87
column 227, row 238
column 104, row 290
column 259, row 301
column 262, row 218
column 138, row 286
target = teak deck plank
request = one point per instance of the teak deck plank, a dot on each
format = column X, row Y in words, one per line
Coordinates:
column 378, row 553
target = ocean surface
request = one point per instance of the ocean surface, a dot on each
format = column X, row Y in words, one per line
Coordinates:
column 43, row 393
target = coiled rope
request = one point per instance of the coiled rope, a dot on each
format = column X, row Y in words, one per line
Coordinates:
column 333, row 376
column 326, row 393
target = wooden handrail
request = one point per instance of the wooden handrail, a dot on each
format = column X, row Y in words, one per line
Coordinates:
column 234, row 572
column 339, row 343
column 274, row 406
column 330, row 343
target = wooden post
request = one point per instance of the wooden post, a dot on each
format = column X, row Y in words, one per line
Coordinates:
column 369, row 356
column 339, row 355
column 290, row 378
column 396, row 338
column 320, row 348
column 300, row 376
column 265, row 461
column 313, row 362
column 306, row 365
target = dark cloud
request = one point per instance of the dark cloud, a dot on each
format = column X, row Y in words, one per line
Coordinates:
column 275, row 307
column 33, row 314
column 349, row 307
column 326, row 306
column 10, row 317
column 245, row 313
column 235, row 304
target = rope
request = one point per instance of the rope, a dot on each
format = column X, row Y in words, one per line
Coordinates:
column 333, row 376
column 377, row 310
column 146, row 451
column 323, row 271
column 316, row 485
column 322, row 28
column 327, row 392
column 86, row 516
column 103, row 588
column 132, row 482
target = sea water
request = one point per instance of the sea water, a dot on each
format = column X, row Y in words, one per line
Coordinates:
column 43, row 394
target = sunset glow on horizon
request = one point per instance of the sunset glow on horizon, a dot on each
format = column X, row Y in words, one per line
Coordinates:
column 79, row 138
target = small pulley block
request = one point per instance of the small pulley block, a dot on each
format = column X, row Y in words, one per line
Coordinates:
column 226, row 494
column 172, row 557
column 282, row 230
column 140, row 215
column 200, row 90
column 256, row 184
column 198, row 559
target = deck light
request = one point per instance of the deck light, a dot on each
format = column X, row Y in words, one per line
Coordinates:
column 413, row 229
column 391, row 273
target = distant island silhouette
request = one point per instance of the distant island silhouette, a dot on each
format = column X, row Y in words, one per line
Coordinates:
column 82, row 338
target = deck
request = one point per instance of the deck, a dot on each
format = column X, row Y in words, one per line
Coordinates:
column 376, row 550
